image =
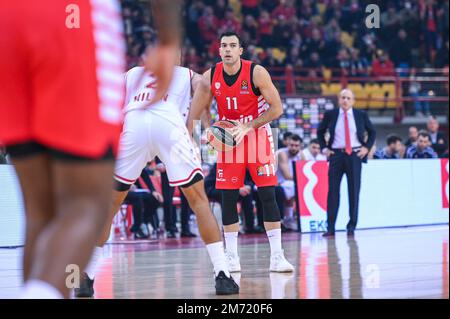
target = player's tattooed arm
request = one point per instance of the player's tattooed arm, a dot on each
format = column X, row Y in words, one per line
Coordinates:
column 264, row 83
column 201, row 101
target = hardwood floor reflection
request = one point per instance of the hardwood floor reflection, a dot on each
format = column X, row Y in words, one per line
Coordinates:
column 380, row 263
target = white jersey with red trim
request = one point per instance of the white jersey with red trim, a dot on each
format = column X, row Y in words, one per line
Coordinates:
column 141, row 87
column 157, row 130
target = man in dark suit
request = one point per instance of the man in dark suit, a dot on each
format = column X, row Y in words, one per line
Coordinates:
column 346, row 149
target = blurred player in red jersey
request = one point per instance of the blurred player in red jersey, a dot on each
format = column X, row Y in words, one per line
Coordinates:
column 61, row 93
column 244, row 93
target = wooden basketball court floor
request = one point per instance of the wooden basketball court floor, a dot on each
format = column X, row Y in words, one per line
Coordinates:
column 407, row 262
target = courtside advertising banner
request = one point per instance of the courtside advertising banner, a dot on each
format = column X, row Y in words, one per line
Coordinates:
column 393, row 193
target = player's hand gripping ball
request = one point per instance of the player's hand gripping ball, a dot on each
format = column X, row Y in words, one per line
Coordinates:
column 219, row 136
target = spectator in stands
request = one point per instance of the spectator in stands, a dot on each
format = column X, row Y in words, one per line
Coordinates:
column 382, row 65
column 413, row 134
column 144, row 200
column 208, row 24
column 283, row 33
column 314, row 44
column 392, row 150
column 313, row 152
column 250, row 7
column 400, row 49
column 359, row 66
column 441, row 59
column 438, row 139
column 429, row 20
column 422, row 148
column 229, row 23
column 294, row 58
column 265, row 29
column 251, row 26
column 416, row 92
column 344, row 62
column 314, row 62
column 286, row 9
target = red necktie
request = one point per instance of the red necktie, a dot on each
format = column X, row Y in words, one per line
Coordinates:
column 348, row 144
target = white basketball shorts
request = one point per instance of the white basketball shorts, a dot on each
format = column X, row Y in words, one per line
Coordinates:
column 149, row 133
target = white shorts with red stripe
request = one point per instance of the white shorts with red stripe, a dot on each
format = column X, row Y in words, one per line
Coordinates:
column 149, row 133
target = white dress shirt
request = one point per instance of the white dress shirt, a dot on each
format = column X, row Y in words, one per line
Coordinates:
column 339, row 133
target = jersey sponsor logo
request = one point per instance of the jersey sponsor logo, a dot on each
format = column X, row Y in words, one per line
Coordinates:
column 243, row 119
column 234, row 179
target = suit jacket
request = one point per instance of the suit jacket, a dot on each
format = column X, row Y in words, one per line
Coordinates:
column 440, row 148
column 363, row 125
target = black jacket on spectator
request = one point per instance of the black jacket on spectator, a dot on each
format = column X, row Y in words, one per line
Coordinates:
column 441, row 144
column 362, row 122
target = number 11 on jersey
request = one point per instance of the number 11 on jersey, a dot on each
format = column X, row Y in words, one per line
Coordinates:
column 235, row 106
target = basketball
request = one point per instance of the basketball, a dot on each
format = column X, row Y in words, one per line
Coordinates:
column 219, row 136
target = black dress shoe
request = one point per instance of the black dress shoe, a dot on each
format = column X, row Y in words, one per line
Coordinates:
column 350, row 233
column 187, row 233
column 328, row 234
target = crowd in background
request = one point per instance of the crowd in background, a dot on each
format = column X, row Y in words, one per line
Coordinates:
column 307, row 34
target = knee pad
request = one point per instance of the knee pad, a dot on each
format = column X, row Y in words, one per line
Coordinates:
column 229, row 208
column 121, row 187
column 270, row 208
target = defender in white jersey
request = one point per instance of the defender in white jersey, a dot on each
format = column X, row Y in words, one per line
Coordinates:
column 160, row 130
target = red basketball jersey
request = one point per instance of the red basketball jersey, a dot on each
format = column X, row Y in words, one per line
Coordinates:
column 238, row 101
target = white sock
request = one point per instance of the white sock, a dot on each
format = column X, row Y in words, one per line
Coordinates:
column 288, row 213
column 217, row 256
column 274, row 236
column 231, row 241
column 37, row 289
column 91, row 268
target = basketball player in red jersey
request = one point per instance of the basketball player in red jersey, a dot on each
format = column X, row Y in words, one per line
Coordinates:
column 245, row 94
column 61, row 91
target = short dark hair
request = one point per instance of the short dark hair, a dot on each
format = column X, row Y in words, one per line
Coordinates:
column 231, row 34
column 314, row 141
column 392, row 138
column 287, row 135
column 296, row 137
column 424, row 133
